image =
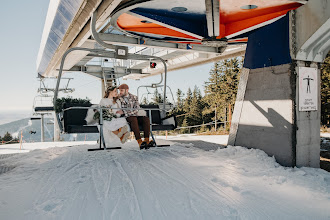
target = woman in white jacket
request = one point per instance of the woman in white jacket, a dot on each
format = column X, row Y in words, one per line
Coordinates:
column 112, row 122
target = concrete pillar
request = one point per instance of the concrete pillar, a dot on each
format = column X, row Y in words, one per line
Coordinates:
column 56, row 129
column 308, row 124
column 266, row 114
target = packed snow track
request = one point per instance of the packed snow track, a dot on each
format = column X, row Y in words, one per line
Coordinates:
column 179, row 182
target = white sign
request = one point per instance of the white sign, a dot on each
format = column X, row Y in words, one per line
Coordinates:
column 308, row 89
column 121, row 52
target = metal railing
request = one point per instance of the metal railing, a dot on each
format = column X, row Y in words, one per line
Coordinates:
column 206, row 124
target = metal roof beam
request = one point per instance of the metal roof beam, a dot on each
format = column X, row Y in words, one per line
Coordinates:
column 132, row 41
column 97, row 71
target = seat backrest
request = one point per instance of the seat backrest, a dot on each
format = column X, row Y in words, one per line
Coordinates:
column 155, row 114
column 74, row 116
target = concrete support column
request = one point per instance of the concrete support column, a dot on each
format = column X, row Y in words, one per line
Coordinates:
column 56, row 129
column 308, row 122
column 266, row 114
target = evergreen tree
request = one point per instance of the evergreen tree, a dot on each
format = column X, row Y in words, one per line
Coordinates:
column 144, row 101
column 221, row 89
column 325, row 91
column 157, row 97
column 179, row 100
column 187, row 101
column 184, row 124
column 195, row 116
column 7, row 137
column 213, row 96
column 187, row 107
column 179, row 107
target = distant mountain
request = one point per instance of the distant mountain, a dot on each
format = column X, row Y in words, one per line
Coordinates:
column 30, row 126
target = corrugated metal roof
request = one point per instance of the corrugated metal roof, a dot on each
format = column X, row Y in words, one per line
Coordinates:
column 59, row 17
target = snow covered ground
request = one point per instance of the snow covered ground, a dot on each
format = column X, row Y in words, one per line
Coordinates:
column 27, row 147
column 179, row 182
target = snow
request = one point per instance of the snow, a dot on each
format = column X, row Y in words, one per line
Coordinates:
column 326, row 135
column 218, row 139
column 177, row 182
column 27, row 147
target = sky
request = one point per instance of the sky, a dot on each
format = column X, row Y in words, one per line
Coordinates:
column 21, row 31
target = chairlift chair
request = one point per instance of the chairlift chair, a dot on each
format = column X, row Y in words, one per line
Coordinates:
column 43, row 104
column 71, row 119
column 118, row 52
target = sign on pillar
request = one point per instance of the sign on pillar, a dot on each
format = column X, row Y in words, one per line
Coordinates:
column 308, row 89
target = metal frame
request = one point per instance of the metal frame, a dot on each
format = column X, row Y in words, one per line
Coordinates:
column 101, row 124
column 155, row 86
column 134, row 41
column 108, row 54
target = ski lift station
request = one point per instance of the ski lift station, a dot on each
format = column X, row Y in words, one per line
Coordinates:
column 283, row 43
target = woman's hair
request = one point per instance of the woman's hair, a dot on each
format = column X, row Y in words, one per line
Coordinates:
column 107, row 92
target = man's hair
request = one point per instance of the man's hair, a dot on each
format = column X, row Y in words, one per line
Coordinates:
column 123, row 86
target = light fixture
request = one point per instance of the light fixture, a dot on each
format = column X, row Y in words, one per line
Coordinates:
column 179, row 9
column 213, row 42
column 248, row 7
column 153, row 65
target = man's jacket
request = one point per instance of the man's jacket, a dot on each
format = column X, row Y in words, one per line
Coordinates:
column 130, row 101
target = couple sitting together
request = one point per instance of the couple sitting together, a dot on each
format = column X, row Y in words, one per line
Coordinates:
column 118, row 120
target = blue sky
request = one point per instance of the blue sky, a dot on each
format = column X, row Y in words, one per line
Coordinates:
column 21, row 29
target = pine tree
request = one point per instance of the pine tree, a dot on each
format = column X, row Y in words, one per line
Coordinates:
column 221, row 89
column 144, row 101
column 195, row 116
column 187, row 107
column 157, row 97
column 213, row 96
column 7, row 137
column 187, row 102
column 184, row 124
column 179, row 101
column 179, row 107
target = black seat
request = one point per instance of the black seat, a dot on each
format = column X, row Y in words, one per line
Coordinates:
column 44, row 109
column 74, row 120
column 159, row 124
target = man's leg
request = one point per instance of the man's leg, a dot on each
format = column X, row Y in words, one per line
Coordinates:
column 146, row 126
column 133, row 122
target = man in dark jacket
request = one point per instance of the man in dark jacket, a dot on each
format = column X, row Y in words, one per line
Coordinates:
column 129, row 100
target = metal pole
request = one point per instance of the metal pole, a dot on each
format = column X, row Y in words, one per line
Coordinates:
column 42, row 128
column 57, row 136
column 150, row 119
column 165, row 85
column 101, row 129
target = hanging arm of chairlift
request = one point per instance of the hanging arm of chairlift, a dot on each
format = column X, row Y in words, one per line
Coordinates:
column 104, row 53
column 95, row 35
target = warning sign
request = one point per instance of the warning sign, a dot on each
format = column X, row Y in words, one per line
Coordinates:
column 308, row 89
